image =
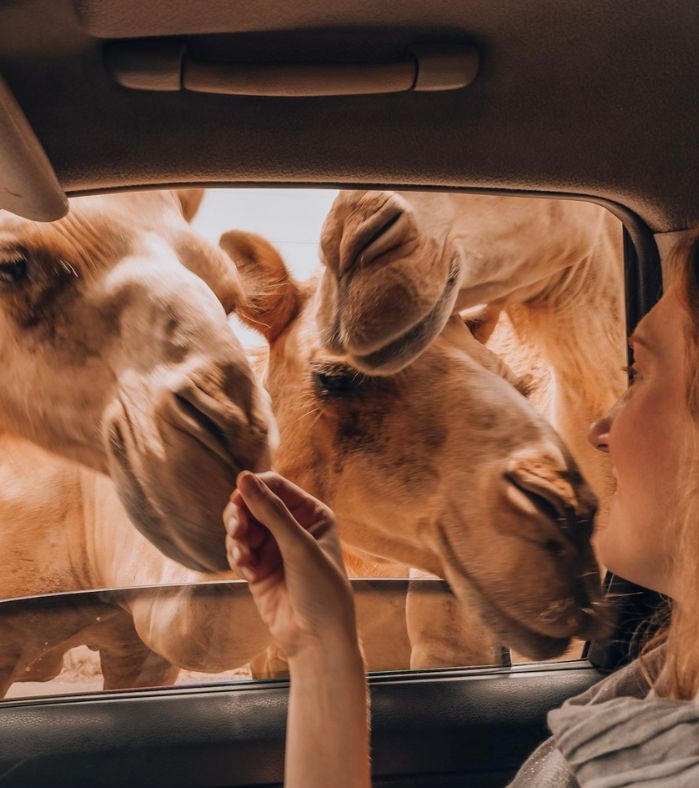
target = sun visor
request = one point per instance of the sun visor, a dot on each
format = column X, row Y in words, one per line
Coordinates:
column 28, row 183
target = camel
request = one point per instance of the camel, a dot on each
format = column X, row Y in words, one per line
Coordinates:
column 122, row 388
column 442, row 466
column 549, row 272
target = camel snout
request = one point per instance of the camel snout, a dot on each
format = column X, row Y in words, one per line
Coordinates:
column 388, row 287
column 176, row 458
column 587, row 619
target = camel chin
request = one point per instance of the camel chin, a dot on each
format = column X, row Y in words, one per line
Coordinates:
column 545, row 630
column 192, row 535
column 523, row 639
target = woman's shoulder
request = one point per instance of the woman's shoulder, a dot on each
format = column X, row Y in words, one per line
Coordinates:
column 631, row 681
column 618, row 729
column 547, row 767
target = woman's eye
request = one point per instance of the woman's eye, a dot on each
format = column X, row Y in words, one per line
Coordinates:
column 13, row 270
column 632, row 374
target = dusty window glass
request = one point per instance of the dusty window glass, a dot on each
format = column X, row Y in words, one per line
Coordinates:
column 415, row 351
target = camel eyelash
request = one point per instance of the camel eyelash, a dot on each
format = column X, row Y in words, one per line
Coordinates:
column 13, row 269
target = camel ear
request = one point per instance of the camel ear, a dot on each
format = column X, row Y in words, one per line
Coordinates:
column 272, row 297
column 190, row 200
column 481, row 320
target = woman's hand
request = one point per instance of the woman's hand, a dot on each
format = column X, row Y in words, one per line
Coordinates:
column 284, row 542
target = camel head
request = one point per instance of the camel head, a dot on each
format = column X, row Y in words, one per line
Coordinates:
column 388, row 286
column 443, row 466
column 116, row 353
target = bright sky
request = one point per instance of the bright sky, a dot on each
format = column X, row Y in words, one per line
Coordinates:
column 289, row 218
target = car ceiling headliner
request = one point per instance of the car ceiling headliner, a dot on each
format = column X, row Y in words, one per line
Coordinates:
column 593, row 98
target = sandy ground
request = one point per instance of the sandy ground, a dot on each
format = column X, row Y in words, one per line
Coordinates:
column 81, row 673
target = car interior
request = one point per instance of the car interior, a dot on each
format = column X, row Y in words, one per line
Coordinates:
column 592, row 101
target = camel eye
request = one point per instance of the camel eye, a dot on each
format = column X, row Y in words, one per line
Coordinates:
column 337, row 381
column 13, row 270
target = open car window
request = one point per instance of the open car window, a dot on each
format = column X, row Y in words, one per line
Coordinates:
column 467, row 521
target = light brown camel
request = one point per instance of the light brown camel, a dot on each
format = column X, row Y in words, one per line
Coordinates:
column 117, row 359
column 397, row 265
column 442, row 466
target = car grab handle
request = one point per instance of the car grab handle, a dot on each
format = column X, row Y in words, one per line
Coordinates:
column 166, row 66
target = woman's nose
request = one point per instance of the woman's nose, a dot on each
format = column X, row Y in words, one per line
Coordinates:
column 598, row 434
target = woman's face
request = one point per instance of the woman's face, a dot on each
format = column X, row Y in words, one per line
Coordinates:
column 643, row 434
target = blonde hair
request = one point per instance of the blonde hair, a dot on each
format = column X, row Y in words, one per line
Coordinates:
column 679, row 677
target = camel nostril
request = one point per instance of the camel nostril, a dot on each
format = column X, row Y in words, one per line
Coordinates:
column 206, row 429
column 116, row 438
column 548, row 505
column 585, row 526
column 196, row 415
column 375, row 237
column 382, row 230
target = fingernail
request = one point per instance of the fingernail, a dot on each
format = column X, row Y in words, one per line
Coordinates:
column 232, row 523
column 249, row 476
column 246, row 573
column 235, row 554
column 229, row 511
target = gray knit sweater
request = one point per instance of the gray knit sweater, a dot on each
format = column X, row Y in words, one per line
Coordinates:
column 617, row 735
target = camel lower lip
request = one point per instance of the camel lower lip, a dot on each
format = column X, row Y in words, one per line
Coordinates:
column 513, row 633
column 416, row 338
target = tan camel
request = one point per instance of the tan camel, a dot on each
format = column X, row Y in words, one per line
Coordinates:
column 442, row 466
column 397, row 265
column 117, row 359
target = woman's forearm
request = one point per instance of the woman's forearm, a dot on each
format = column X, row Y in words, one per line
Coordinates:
column 327, row 740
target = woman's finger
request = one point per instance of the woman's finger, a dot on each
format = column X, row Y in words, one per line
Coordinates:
column 271, row 511
column 306, row 509
column 268, row 559
column 233, row 518
column 290, row 493
column 239, row 552
column 255, row 532
column 257, row 566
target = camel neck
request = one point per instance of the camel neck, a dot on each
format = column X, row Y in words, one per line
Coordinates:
column 40, row 504
column 577, row 321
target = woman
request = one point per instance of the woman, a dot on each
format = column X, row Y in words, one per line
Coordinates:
column 640, row 726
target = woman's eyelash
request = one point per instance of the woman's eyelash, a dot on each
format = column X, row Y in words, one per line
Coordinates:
column 631, row 373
